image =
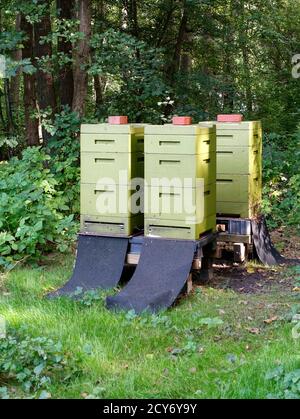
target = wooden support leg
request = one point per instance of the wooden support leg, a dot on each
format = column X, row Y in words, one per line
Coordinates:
column 205, row 274
column 219, row 252
column 189, row 286
column 239, row 252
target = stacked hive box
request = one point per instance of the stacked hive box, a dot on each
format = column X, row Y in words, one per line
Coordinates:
column 111, row 155
column 239, row 168
column 186, row 156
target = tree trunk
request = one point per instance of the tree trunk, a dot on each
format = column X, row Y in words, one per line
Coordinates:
column 228, row 60
column 8, row 106
column 129, row 17
column 133, row 18
column 15, row 83
column 98, row 86
column 163, row 25
column 175, row 64
column 82, row 55
column 31, row 124
column 65, row 9
column 99, row 27
column 45, row 80
column 186, row 58
column 246, row 61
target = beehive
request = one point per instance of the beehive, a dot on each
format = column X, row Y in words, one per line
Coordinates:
column 180, row 171
column 111, row 156
column 239, row 168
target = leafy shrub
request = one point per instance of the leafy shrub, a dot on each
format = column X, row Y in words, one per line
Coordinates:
column 282, row 179
column 33, row 363
column 287, row 383
column 34, row 213
column 64, row 149
column 88, row 298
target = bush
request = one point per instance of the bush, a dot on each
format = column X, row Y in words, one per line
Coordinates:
column 33, row 363
column 281, row 201
column 64, row 149
column 287, row 383
column 35, row 213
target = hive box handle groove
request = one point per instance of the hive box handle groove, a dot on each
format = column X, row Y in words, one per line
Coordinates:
column 102, row 191
column 104, row 160
column 168, row 194
column 162, row 143
column 104, row 141
column 169, row 162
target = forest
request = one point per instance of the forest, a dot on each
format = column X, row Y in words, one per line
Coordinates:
column 68, row 62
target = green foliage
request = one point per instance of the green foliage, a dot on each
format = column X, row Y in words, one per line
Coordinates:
column 89, row 298
column 134, row 71
column 64, row 148
column 282, row 179
column 33, row 363
column 10, row 41
column 8, row 142
column 287, row 383
column 35, row 215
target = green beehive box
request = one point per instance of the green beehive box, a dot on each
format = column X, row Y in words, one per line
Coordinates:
column 174, row 229
column 119, row 168
column 239, row 195
column 181, row 167
column 111, row 156
column 116, row 226
column 181, row 204
column 239, row 134
column 239, row 167
column 183, row 157
column 180, row 140
column 239, row 160
column 108, row 200
column 107, row 138
column 247, row 134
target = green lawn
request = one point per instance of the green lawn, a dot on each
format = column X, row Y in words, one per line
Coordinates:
column 173, row 355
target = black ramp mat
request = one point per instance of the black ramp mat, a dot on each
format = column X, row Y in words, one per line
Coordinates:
column 159, row 278
column 99, row 264
column 263, row 243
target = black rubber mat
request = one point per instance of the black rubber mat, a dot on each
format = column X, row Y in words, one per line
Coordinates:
column 99, row 264
column 159, row 278
column 265, row 250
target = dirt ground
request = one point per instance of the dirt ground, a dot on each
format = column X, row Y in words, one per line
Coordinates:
column 254, row 278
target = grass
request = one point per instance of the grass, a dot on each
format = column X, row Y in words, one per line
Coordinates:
column 173, row 355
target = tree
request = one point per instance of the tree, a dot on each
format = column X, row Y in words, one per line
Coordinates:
column 82, row 57
column 45, row 80
column 30, row 94
column 15, row 83
column 65, row 11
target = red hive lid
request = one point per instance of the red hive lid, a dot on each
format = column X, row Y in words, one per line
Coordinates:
column 230, row 118
column 182, row 120
column 118, row 120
